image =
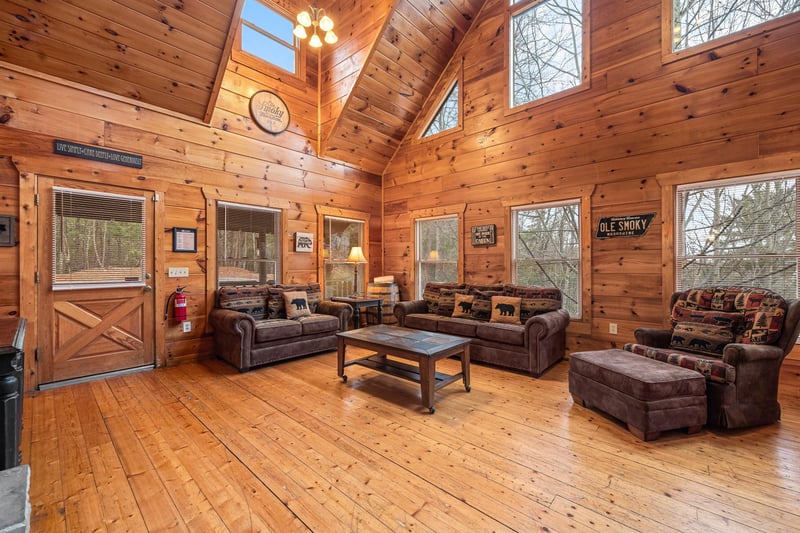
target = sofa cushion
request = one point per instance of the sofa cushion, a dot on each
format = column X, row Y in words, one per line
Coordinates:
column 714, row 369
column 463, row 327
column 702, row 338
column 482, row 304
column 276, row 329
column 251, row 300
column 505, row 309
column 463, row 306
column 296, row 303
column 513, row 334
column 431, row 294
column 315, row 324
column 276, row 308
column 426, row 321
column 763, row 311
column 534, row 300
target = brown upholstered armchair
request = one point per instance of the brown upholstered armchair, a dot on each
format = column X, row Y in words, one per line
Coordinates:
column 738, row 338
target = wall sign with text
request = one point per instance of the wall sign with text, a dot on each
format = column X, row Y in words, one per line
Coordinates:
column 624, row 226
column 484, row 235
column 269, row 111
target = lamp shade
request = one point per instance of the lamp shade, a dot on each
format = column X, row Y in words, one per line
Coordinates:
column 315, row 41
column 356, row 255
column 331, row 37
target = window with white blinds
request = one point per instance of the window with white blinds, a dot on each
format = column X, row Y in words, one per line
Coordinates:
column 98, row 239
column 739, row 232
column 248, row 244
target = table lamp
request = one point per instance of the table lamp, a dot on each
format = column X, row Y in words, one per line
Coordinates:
column 356, row 256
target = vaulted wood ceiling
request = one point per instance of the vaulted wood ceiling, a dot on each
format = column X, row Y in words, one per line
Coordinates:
column 173, row 53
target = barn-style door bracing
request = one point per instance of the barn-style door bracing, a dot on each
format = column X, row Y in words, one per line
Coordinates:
column 95, row 296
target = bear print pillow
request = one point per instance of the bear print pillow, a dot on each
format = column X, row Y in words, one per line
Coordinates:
column 296, row 303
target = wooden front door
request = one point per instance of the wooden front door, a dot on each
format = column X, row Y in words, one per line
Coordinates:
column 95, row 299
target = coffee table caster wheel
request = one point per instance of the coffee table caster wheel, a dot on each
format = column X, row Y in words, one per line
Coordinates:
column 468, row 388
column 431, row 409
column 344, row 379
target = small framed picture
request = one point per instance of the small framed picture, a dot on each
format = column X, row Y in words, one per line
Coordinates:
column 303, row 242
column 7, row 226
column 485, row 235
column 184, row 240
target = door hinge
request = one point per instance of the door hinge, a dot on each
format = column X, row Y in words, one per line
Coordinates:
column 36, row 354
column 36, row 199
column 36, row 277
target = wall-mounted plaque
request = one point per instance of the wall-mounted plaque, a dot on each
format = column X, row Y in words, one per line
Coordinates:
column 303, row 242
column 184, row 240
column 269, row 111
column 484, row 235
column 624, row 226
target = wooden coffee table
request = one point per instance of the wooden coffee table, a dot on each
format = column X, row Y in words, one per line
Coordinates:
column 422, row 347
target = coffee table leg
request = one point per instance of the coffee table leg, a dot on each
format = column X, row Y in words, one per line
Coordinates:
column 427, row 380
column 340, row 359
column 465, row 367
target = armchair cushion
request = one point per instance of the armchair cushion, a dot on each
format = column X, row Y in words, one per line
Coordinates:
column 703, row 338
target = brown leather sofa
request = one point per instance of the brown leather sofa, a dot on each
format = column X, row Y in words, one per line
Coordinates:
column 251, row 327
column 535, row 343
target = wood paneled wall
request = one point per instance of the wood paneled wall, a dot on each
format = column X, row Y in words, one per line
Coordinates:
column 189, row 164
column 728, row 111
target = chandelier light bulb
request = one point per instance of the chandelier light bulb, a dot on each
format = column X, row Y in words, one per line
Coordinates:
column 315, row 41
column 300, row 32
column 304, row 18
column 326, row 23
column 330, row 37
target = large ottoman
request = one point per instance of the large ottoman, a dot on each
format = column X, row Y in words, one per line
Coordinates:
column 649, row 395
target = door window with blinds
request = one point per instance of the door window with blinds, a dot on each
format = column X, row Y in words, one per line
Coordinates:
column 340, row 235
column 739, row 232
column 248, row 244
column 98, row 239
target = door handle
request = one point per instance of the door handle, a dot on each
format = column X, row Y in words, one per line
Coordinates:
column 148, row 288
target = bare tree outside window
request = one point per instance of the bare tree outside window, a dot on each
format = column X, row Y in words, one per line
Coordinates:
column 739, row 234
column 437, row 251
column 546, row 49
column 547, row 250
column 699, row 21
column 248, row 244
column 447, row 116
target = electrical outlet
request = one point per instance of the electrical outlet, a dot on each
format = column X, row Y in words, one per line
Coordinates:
column 178, row 272
column 187, row 326
column 612, row 328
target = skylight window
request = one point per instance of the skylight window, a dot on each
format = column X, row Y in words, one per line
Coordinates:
column 267, row 35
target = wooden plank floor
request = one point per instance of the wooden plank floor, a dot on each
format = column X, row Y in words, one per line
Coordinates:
column 200, row 447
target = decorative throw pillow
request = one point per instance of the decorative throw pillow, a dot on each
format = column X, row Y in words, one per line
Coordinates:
column 482, row 304
column 505, row 309
column 701, row 338
column 535, row 300
column 296, row 303
column 275, row 305
column 447, row 301
column 463, row 306
column 250, row 300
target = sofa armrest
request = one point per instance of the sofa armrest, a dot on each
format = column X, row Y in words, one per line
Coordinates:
column 401, row 309
column 340, row 310
column 234, row 333
column 737, row 354
column 656, row 338
column 540, row 327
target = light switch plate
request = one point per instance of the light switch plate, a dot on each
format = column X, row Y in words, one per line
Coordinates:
column 178, row 272
column 187, row 326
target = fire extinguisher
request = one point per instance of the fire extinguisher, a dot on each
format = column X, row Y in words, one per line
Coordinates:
column 179, row 305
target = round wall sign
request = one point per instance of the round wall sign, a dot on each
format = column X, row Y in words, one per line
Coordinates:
column 269, row 111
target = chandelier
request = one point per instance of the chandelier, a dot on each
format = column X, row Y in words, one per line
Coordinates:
column 312, row 18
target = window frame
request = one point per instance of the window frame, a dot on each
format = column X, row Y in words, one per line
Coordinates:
column 242, row 56
column 362, row 217
column 514, row 9
column 581, row 261
column 420, row 262
column 669, row 55
column 441, row 211
column 735, row 181
column 279, row 248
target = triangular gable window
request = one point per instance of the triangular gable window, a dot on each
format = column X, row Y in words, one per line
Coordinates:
column 446, row 117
